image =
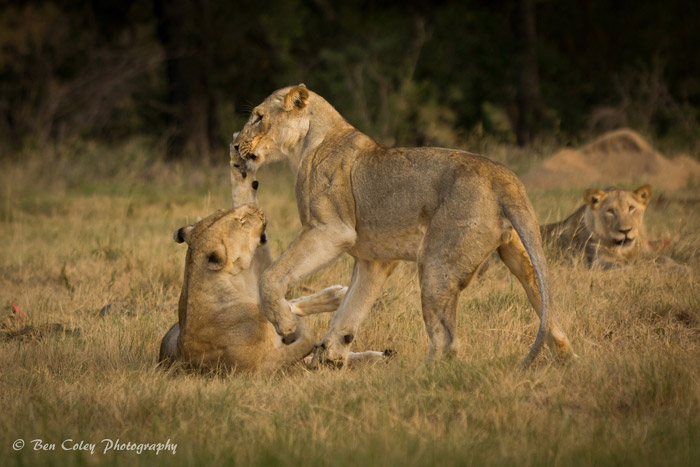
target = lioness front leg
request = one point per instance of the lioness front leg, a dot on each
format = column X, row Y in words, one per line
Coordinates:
column 311, row 250
column 367, row 280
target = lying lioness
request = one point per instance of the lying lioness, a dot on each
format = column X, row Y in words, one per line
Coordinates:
column 219, row 324
column 608, row 229
column 447, row 210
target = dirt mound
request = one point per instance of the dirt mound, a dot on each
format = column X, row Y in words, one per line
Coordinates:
column 617, row 157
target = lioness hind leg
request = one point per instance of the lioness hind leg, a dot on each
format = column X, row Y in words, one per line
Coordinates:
column 168, row 346
column 325, row 301
column 440, row 317
column 445, row 269
column 515, row 257
column 371, row 356
column 292, row 353
column 452, row 251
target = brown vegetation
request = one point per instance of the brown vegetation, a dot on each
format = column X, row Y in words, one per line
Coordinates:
column 80, row 233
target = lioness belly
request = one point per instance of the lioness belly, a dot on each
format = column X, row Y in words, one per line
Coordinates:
column 388, row 244
column 397, row 193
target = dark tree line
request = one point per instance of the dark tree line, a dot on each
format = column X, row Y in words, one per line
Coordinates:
column 186, row 72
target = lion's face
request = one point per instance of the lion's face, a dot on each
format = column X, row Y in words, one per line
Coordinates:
column 224, row 242
column 244, row 185
column 617, row 215
column 276, row 127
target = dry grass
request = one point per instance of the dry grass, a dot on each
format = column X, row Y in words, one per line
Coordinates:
column 95, row 230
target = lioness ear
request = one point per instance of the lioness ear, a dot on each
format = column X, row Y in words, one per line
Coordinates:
column 216, row 260
column 593, row 197
column 183, row 234
column 296, row 98
column 644, row 193
column 253, row 214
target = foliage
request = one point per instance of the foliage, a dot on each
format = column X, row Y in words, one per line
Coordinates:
column 407, row 73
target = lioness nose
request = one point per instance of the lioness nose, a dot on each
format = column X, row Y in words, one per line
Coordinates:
column 289, row 338
column 625, row 231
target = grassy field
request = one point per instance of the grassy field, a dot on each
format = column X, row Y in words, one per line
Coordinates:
column 94, row 230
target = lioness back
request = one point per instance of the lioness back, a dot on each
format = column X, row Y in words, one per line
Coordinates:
column 403, row 201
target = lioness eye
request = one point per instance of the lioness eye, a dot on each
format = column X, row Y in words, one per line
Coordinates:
column 610, row 212
column 631, row 208
column 258, row 118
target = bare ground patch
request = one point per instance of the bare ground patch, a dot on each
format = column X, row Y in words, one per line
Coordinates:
column 618, row 157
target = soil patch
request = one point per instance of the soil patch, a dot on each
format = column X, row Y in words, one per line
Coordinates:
column 618, row 157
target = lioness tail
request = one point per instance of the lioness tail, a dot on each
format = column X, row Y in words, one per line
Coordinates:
column 533, row 245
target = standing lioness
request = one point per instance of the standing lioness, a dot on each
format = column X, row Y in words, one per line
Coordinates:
column 447, row 210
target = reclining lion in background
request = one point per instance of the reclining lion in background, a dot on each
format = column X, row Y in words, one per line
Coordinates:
column 447, row 210
column 608, row 229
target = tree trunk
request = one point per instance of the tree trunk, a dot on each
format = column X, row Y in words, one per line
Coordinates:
column 182, row 29
column 529, row 101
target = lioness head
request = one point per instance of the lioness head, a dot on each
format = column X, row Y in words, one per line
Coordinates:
column 277, row 127
column 244, row 184
column 616, row 215
column 224, row 242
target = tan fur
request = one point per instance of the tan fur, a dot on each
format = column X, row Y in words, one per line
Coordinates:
column 608, row 229
column 219, row 322
column 445, row 209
